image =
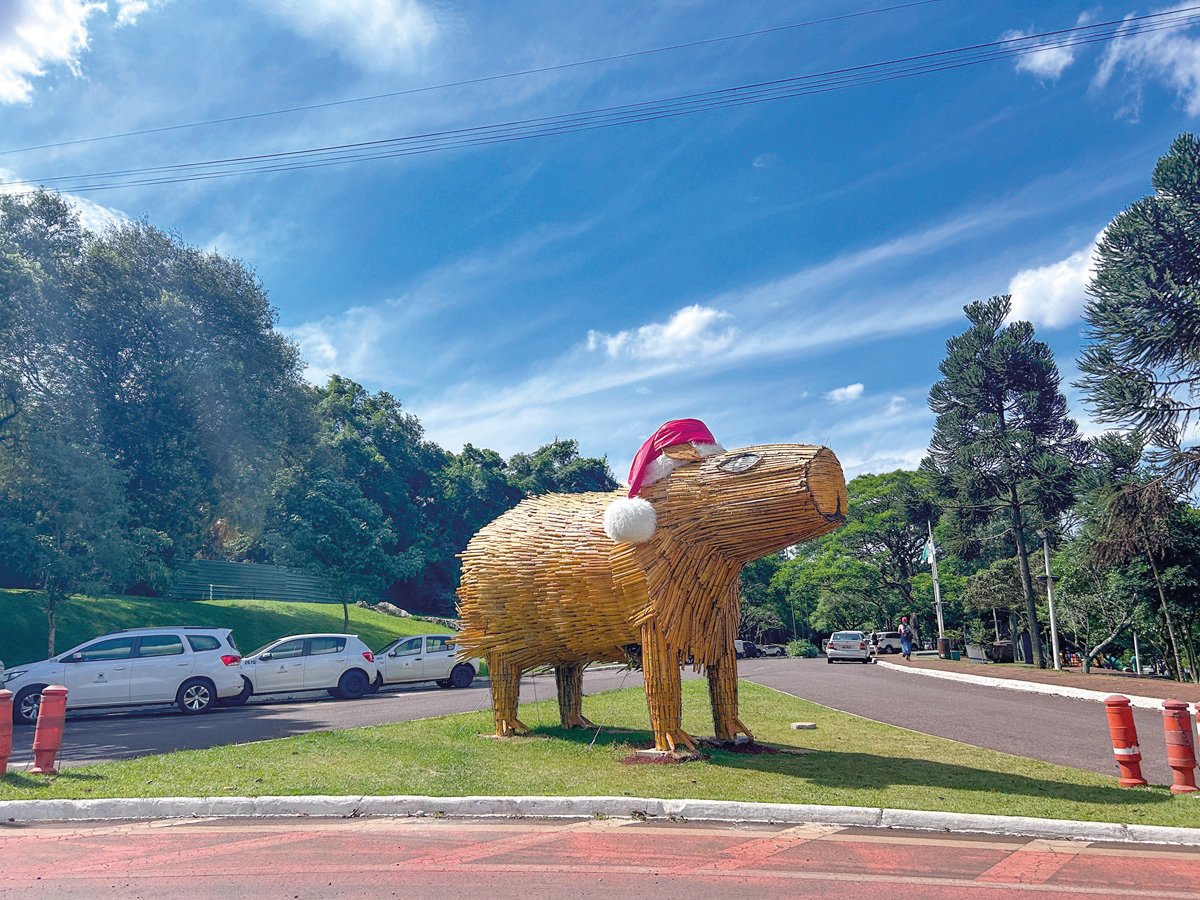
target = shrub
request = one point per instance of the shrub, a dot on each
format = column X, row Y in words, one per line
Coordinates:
column 802, row 648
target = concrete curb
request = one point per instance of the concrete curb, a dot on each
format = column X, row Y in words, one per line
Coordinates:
column 28, row 811
column 1029, row 687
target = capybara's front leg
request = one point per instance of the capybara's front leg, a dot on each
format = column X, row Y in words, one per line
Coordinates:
column 506, row 689
column 569, row 680
column 660, row 671
column 723, row 692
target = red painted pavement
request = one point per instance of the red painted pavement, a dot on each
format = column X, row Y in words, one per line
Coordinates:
column 503, row 858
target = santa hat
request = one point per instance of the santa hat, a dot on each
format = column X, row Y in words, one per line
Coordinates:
column 632, row 520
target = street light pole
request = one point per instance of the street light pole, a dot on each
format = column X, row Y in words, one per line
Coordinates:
column 1042, row 533
column 937, row 588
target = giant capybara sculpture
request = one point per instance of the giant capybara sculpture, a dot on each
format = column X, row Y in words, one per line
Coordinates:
column 568, row 579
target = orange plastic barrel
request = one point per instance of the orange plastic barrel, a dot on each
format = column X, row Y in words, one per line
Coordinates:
column 1181, row 748
column 1124, row 740
column 47, row 737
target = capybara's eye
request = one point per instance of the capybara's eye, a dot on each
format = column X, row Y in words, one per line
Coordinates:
column 743, row 462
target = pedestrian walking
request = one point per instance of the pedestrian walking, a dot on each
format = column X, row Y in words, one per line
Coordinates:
column 906, row 637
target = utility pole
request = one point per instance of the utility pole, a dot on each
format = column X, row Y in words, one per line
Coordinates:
column 1137, row 657
column 931, row 552
column 1045, row 536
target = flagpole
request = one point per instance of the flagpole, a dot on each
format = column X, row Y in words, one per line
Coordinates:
column 937, row 588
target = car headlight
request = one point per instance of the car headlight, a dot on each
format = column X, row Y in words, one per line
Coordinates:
column 8, row 676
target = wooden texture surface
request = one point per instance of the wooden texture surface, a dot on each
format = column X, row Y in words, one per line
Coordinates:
column 544, row 585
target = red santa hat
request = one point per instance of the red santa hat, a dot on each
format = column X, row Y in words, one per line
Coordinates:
column 631, row 519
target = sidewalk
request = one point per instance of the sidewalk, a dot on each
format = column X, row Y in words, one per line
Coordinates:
column 1106, row 682
column 1059, row 684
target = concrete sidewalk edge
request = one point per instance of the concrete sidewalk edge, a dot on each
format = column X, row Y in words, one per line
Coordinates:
column 30, row 811
column 1030, row 687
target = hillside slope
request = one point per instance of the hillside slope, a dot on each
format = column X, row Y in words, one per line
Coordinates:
column 254, row 622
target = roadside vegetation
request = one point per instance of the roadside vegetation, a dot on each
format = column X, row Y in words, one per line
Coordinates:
column 254, row 622
column 845, row 761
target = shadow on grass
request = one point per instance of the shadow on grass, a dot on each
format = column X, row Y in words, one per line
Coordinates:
column 852, row 770
column 22, row 780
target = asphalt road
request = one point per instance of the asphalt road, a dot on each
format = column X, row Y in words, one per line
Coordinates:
column 1060, row 730
column 380, row 857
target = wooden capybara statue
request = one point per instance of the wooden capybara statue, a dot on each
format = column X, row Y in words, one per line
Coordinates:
column 567, row 579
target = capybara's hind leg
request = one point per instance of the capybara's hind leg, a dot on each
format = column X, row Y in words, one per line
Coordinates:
column 570, row 696
column 506, row 689
column 660, row 671
column 723, row 692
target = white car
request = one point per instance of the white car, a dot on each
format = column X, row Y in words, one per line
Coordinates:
column 190, row 667
column 431, row 657
column 338, row 663
column 848, row 645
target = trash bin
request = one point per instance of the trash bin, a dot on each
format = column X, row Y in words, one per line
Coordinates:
column 955, row 656
column 944, row 648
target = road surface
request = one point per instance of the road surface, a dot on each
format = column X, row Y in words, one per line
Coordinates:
column 382, row 857
column 1056, row 729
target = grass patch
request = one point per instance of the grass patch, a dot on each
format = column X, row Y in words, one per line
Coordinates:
column 254, row 622
column 851, row 761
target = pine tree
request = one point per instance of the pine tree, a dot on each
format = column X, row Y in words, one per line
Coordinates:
column 1142, row 367
column 1003, row 444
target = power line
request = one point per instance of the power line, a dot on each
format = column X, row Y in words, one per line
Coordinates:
column 483, row 79
column 587, row 120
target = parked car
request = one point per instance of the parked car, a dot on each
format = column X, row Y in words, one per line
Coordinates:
column 886, row 641
column 189, row 667
column 848, row 645
column 338, row 663
column 432, row 657
column 774, row 650
column 746, row 650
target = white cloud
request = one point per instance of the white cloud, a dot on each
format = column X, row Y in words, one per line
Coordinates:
column 376, row 34
column 1054, row 295
column 38, row 34
column 1171, row 57
column 1045, row 64
column 895, row 406
column 845, row 394
column 128, row 11
column 692, row 331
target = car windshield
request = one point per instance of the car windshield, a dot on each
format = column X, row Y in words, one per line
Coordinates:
column 386, row 647
column 267, row 646
column 847, row 636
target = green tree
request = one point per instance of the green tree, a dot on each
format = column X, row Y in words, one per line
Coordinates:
column 1141, row 366
column 63, row 520
column 558, row 467
column 1003, row 443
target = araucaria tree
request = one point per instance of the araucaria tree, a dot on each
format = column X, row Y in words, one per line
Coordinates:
column 1003, row 449
column 1142, row 367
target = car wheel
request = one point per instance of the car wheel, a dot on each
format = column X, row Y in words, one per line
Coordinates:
column 26, row 705
column 828, row 660
column 867, row 661
column 352, row 685
column 238, row 699
column 196, row 695
column 462, row 675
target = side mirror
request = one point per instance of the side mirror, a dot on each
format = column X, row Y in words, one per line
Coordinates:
column 73, row 658
column 265, row 657
column 393, row 653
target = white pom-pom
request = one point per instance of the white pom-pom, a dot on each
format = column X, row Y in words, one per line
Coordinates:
column 630, row 520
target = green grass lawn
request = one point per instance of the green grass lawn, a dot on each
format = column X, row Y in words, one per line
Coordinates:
column 850, row 761
column 254, row 622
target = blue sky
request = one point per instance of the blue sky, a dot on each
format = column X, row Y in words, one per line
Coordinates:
column 786, row 271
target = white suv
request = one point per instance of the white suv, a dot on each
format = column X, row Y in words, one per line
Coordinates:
column 429, row 658
column 338, row 663
column 190, row 667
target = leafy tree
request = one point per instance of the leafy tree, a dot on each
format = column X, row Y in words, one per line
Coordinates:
column 63, row 520
column 1003, row 443
column 558, row 467
column 1142, row 365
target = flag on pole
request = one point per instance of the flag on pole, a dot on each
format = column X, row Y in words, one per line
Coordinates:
column 929, row 551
